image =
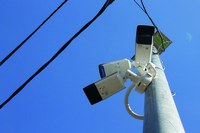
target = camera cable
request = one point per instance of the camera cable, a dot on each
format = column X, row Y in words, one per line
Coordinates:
column 143, row 8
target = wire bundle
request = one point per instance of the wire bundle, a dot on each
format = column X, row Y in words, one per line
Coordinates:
column 145, row 11
column 107, row 3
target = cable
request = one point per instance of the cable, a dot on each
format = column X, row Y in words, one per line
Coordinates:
column 9, row 55
column 126, row 103
column 107, row 3
column 139, row 6
column 154, row 25
column 145, row 11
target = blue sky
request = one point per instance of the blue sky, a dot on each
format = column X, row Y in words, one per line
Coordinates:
column 54, row 101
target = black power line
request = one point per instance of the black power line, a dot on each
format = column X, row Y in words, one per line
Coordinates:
column 145, row 11
column 9, row 55
column 107, row 3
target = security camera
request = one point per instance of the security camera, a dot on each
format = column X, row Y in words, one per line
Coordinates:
column 104, row 88
column 120, row 66
column 144, row 44
column 115, row 74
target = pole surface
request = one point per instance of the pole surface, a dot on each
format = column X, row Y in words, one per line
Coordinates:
column 160, row 112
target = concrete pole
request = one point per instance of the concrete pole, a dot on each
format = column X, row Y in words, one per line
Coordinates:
column 160, row 112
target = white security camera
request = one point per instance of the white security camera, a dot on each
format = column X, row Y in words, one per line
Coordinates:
column 120, row 66
column 104, row 88
column 144, row 44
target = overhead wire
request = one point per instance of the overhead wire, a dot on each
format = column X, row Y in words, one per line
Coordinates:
column 143, row 8
column 107, row 3
column 11, row 53
column 139, row 5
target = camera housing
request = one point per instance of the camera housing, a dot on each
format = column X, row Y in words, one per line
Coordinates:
column 104, row 88
column 144, row 44
column 120, row 66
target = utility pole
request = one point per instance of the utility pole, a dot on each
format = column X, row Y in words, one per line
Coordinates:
column 160, row 112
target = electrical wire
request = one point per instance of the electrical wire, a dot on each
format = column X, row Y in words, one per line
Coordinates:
column 139, row 5
column 9, row 55
column 154, row 25
column 107, row 3
column 145, row 11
